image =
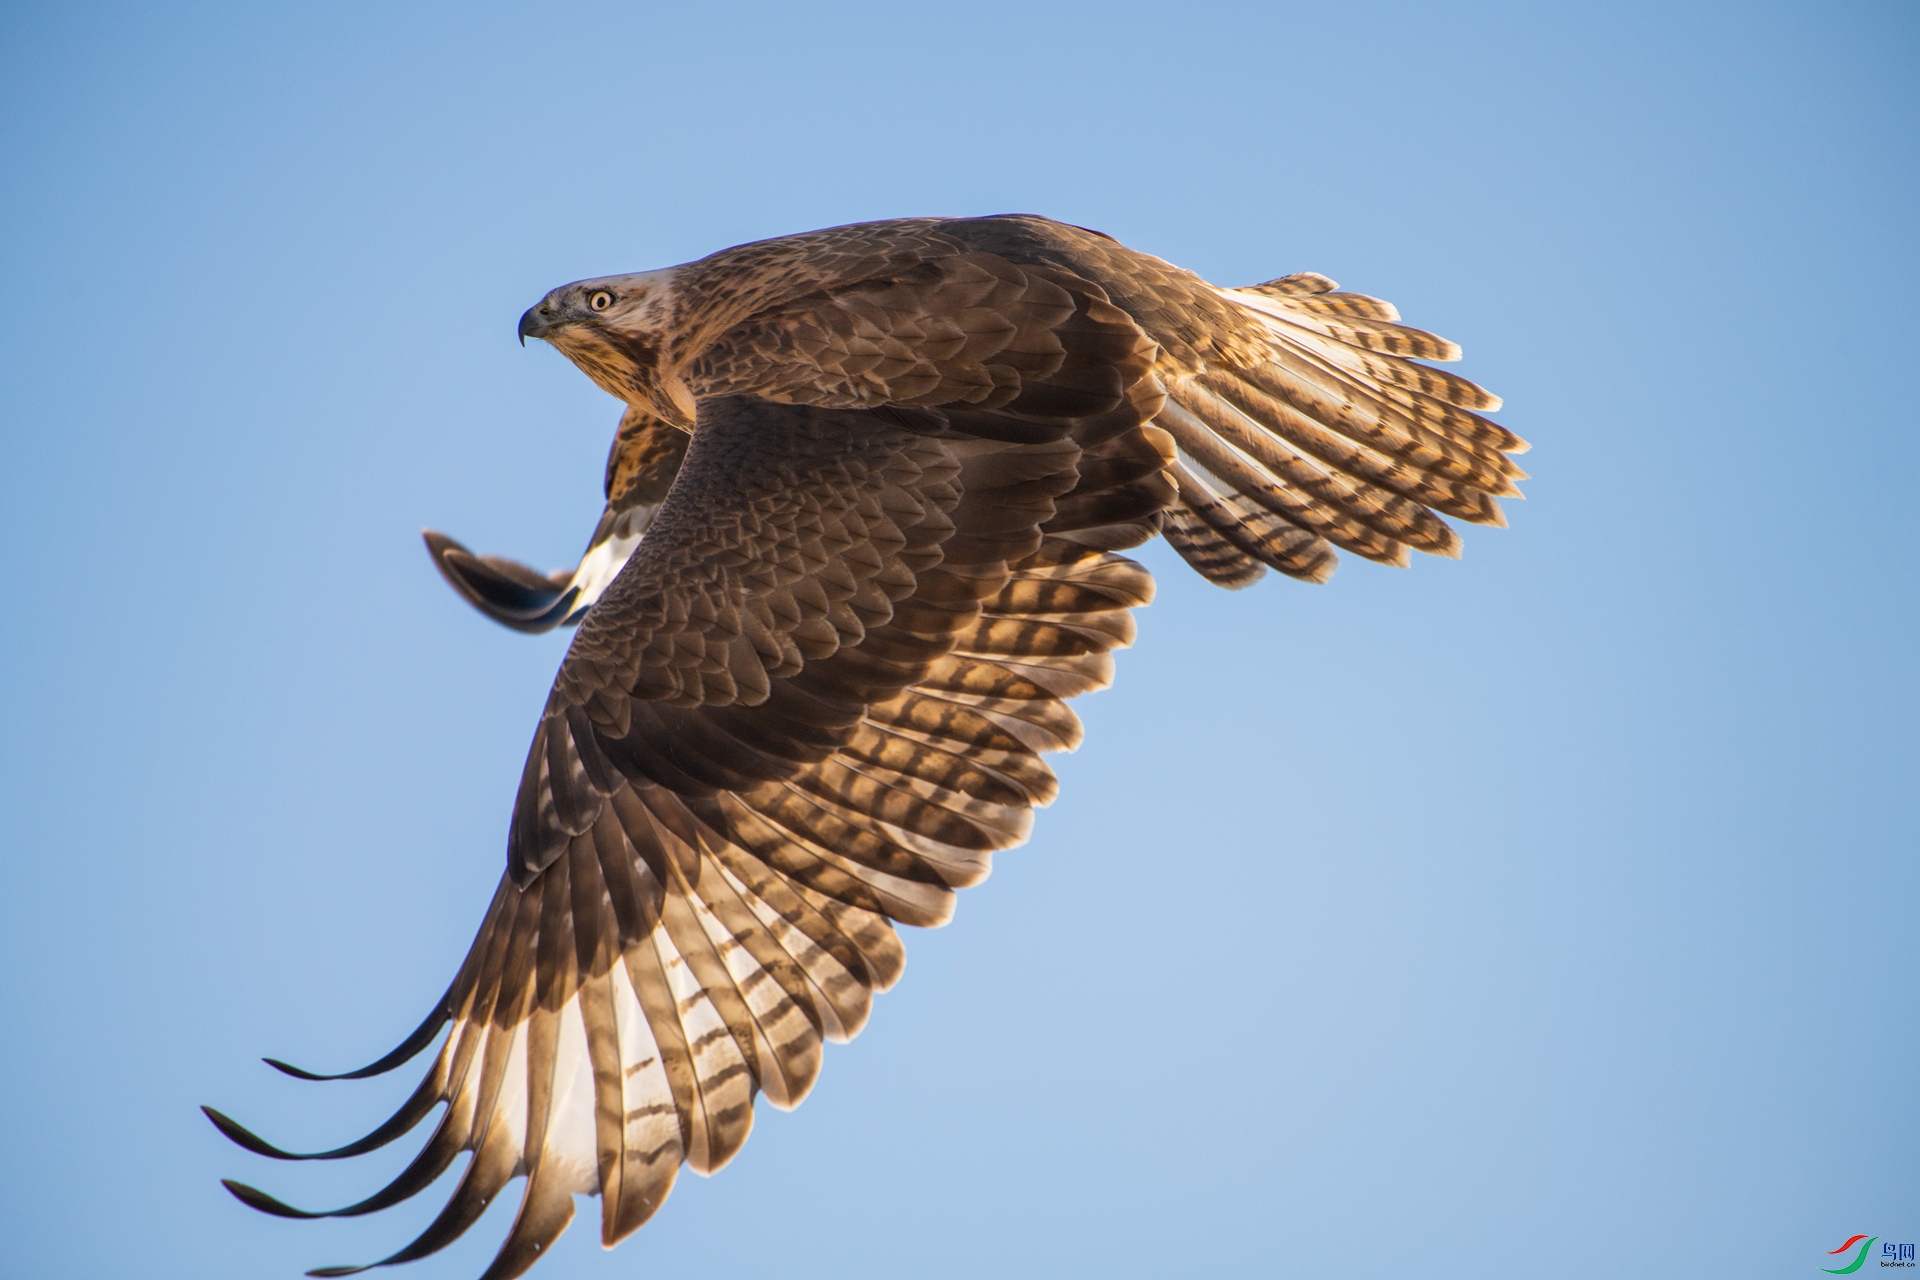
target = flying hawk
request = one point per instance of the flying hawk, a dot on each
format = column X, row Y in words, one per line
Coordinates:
column 858, row 552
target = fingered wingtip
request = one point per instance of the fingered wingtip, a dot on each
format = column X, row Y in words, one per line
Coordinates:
column 298, row 1073
column 422, row 1036
column 244, row 1138
column 254, row 1198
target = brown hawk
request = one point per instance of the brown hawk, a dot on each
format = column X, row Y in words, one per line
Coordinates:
column 858, row 552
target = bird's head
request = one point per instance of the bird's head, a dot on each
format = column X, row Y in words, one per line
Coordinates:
column 618, row 329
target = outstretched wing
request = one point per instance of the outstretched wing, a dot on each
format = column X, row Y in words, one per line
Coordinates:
column 813, row 704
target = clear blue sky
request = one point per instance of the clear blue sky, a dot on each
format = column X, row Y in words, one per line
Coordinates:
column 1549, row 912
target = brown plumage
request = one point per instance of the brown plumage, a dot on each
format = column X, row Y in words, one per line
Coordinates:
column 859, row 550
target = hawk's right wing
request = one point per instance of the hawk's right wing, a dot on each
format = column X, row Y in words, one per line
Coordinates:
column 812, row 705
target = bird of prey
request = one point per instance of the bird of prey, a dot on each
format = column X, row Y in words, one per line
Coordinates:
column 859, row 550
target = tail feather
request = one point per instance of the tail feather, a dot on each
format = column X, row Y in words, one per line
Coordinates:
column 1372, row 333
column 1395, row 422
column 1209, row 554
column 1299, row 284
column 1208, row 453
column 1299, row 325
column 1256, row 532
column 1332, row 471
column 1358, row 306
column 1315, row 424
column 1397, row 459
column 1461, row 423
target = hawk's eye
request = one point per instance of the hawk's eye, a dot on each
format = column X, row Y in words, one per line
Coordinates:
column 600, row 300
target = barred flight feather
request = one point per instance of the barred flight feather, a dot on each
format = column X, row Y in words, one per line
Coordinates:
column 1258, row 533
column 1209, row 554
column 1324, row 479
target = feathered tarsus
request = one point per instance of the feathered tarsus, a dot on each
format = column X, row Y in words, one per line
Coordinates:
column 859, row 550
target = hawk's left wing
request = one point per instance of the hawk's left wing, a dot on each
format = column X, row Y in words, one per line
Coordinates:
column 645, row 457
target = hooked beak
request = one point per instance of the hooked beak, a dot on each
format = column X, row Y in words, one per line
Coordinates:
column 532, row 325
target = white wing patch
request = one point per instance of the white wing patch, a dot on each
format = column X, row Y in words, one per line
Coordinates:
column 569, row 1154
column 604, row 560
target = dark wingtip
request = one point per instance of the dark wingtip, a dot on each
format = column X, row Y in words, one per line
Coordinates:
column 422, row 1037
column 401, row 1122
column 243, row 1137
column 507, row 591
column 341, row 1271
column 296, row 1072
column 254, row 1198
